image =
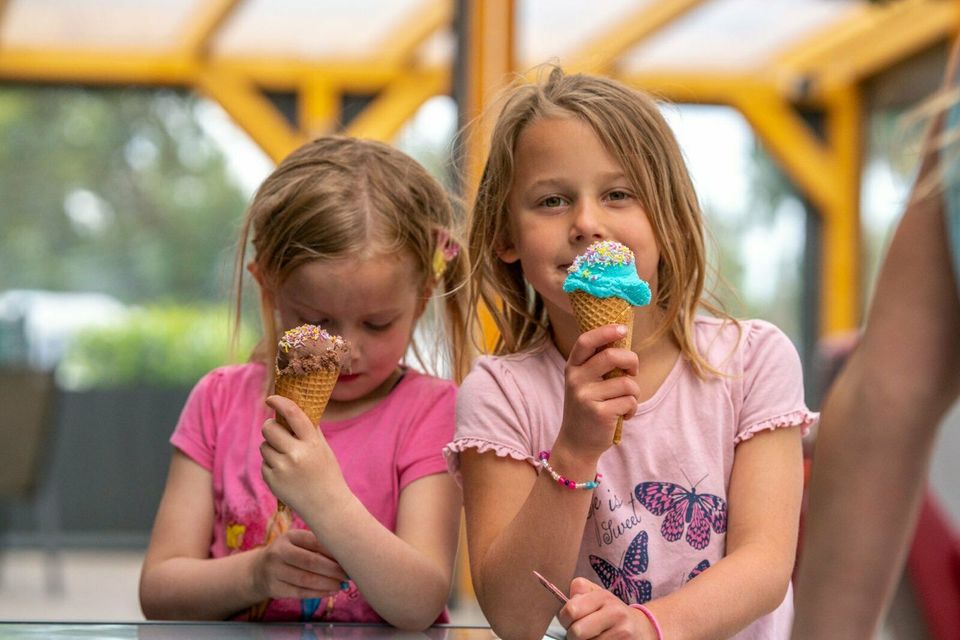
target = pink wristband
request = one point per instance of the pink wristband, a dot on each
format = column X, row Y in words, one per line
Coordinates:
column 651, row 618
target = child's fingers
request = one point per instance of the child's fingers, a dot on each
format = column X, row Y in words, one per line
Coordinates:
column 572, row 614
column 276, row 436
column 295, row 417
column 582, row 585
column 590, row 341
column 316, row 563
column 605, row 361
column 600, row 390
column 306, row 539
column 305, row 585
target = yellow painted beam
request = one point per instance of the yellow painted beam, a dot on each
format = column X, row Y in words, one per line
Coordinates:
column 798, row 150
column 400, row 46
column 202, row 27
column 382, row 118
column 319, row 107
column 693, row 87
column 841, row 248
column 96, row 67
column 112, row 67
column 601, row 53
column 251, row 110
column 490, row 64
column 828, row 173
column 871, row 38
column 284, row 74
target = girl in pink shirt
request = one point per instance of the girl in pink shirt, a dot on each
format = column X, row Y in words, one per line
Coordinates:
column 692, row 529
column 354, row 236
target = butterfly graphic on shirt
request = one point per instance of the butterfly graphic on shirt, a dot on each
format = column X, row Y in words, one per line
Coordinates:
column 684, row 509
column 697, row 570
column 625, row 582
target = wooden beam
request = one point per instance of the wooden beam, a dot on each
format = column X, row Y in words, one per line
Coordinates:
column 396, row 104
column 250, row 109
column 204, row 25
column 826, row 172
column 401, row 45
column 694, row 87
column 871, row 38
column 491, row 59
column 601, row 52
column 841, row 258
column 285, row 74
column 319, row 107
column 95, row 67
column 69, row 66
column 798, row 150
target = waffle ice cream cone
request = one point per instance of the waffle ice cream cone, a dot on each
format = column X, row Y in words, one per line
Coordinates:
column 310, row 391
column 308, row 364
column 604, row 288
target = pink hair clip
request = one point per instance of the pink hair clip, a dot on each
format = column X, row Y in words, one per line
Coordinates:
column 447, row 249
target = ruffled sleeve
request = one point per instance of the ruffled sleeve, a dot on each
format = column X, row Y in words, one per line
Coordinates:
column 491, row 416
column 772, row 383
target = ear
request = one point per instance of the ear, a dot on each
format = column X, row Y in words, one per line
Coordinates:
column 507, row 251
column 254, row 271
column 266, row 293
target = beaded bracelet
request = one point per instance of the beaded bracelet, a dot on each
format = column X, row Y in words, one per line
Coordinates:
column 651, row 618
column 559, row 479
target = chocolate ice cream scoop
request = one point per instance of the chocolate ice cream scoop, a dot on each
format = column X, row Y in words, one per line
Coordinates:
column 307, row 349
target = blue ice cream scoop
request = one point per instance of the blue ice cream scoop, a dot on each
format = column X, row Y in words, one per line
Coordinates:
column 607, row 270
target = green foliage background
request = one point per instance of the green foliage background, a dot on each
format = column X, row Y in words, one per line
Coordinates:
column 122, row 191
column 165, row 345
column 159, row 213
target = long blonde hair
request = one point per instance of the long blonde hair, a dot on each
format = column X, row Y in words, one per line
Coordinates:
column 338, row 197
column 632, row 129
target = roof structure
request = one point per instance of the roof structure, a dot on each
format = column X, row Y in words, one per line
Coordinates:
column 288, row 70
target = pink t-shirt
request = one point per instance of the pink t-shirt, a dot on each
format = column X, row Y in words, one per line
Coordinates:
column 659, row 515
column 380, row 452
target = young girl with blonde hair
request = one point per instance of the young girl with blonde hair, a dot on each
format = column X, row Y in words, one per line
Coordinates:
column 691, row 531
column 354, row 236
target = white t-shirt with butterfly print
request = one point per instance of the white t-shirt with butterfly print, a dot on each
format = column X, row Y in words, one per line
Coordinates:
column 659, row 516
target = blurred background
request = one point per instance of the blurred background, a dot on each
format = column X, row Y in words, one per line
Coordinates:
column 134, row 132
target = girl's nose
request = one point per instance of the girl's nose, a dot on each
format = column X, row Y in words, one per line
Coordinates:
column 587, row 225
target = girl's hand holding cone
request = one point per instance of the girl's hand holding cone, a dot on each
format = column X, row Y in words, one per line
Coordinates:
column 592, row 397
column 298, row 464
column 604, row 287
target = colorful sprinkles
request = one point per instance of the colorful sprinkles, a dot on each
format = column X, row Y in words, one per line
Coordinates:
column 605, row 253
column 299, row 336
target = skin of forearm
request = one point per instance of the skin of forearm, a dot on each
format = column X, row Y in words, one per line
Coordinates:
column 199, row 589
column 745, row 585
column 857, row 566
column 544, row 536
column 368, row 551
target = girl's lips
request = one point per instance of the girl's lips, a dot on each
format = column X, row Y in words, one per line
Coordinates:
column 348, row 377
